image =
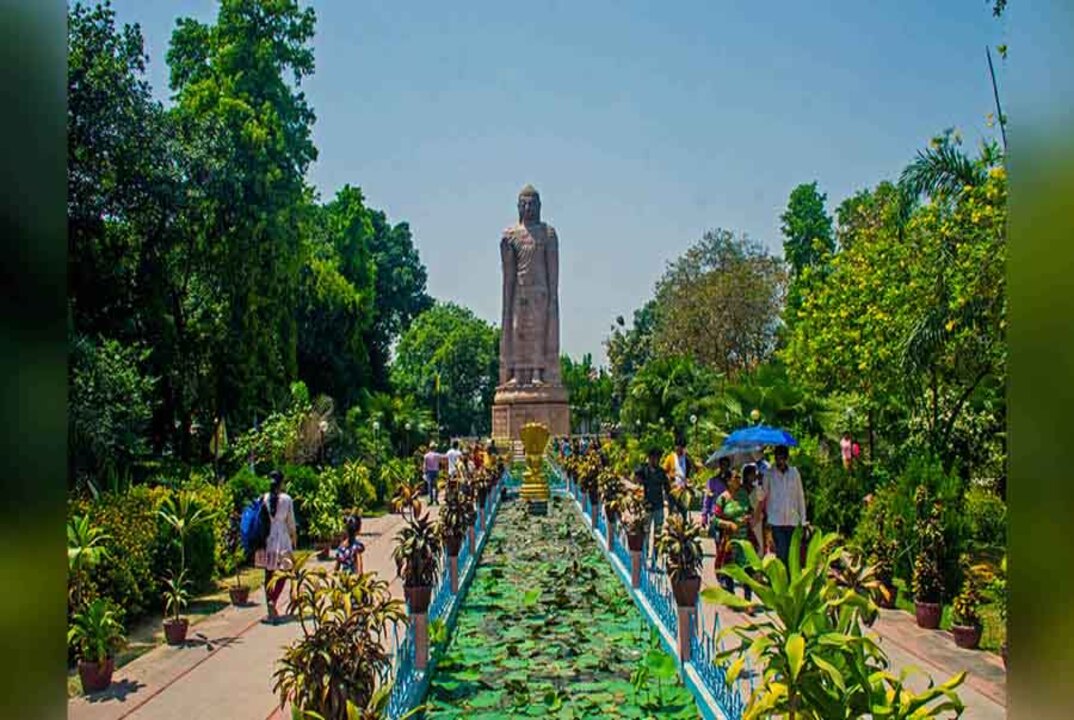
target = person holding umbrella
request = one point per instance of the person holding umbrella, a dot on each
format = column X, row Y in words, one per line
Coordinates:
column 785, row 502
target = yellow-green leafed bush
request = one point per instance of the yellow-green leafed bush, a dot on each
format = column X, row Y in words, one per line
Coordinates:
column 130, row 574
column 355, row 486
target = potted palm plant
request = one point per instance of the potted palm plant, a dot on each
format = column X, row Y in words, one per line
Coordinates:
column 927, row 579
column 417, row 560
column 680, row 546
column 96, row 635
column 965, row 619
column 176, row 598
column 182, row 514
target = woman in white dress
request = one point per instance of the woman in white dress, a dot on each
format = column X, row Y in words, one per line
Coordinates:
column 281, row 541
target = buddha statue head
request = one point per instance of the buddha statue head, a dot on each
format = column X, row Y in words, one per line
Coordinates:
column 529, row 206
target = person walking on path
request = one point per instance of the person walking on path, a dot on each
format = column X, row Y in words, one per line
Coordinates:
column 280, row 545
column 679, row 467
column 454, row 455
column 432, row 471
column 785, row 504
column 656, row 489
column 714, row 487
column 733, row 517
column 751, row 481
column 349, row 552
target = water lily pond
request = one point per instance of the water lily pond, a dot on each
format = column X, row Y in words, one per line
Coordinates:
column 547, row 630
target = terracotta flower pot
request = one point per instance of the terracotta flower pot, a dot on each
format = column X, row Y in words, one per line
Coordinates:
column 612, row 515
column 594, row 498
column 96, row 676
column 324, row 551
column 239, row 595
column 452, row 544
column 418, row 597
column 928, row 614
column 1003, row 653
column 966, row 636
column 175, row 630
column 686, row 591
column 635, row 541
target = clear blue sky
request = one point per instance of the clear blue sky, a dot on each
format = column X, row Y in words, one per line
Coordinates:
column 641, row 125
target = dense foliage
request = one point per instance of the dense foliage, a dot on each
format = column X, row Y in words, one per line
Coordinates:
column 448, row 359
column 205, row 275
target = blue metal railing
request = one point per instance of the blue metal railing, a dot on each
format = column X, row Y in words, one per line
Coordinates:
column 409, row 684
column 655, row 588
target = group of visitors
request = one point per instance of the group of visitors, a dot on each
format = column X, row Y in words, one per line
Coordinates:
column 456, row 463
column 760, row 502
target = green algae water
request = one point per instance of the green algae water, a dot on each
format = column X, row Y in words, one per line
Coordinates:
column 547, row 630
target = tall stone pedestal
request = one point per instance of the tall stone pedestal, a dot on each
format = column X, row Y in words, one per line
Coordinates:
column 513, row 407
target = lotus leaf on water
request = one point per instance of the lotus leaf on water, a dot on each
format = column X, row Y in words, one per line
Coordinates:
column 547, row 630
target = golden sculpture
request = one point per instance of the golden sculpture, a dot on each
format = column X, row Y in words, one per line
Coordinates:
column 534, row 488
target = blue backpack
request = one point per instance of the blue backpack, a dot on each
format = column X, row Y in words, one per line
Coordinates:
column 253, row 529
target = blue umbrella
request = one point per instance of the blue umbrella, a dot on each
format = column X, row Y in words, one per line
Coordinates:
column 756, row 435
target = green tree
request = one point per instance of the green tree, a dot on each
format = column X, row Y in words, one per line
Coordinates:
column 400, row 290
column 448, row 358
column 808, row 238
column 237, row 102
column 336, row 299
column 590, row 392
column 807, row 228
column 911, row 314
column 667, row 392
column 720, row 304
column 629, row 349
column 109, row 410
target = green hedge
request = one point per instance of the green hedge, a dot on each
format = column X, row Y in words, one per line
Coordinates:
column 130, row 576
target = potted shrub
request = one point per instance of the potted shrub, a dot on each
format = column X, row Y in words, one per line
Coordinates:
column 182, row 514
column 611, row 489
column 635, row 518
column 927, row 578
column 417, row 560
column 337, row 660
column 885, row 552
column 966, row 620
column 454, row 519
column 95, row 635
column 588, row 474
column 808, row 633
column 176, row 598
column 680, row 546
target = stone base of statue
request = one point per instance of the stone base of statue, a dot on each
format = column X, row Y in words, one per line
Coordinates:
column 516, row 406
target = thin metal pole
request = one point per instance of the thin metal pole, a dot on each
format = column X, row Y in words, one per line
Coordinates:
column 995, row 93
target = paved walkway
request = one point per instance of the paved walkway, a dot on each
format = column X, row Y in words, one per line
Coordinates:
column 230, row 676
column 229, row 672
column 984, row 691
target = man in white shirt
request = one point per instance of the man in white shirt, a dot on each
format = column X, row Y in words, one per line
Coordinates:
column 786, row 502
column 453, row 456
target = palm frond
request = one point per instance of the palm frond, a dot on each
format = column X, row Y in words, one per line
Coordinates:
column 941, row 169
